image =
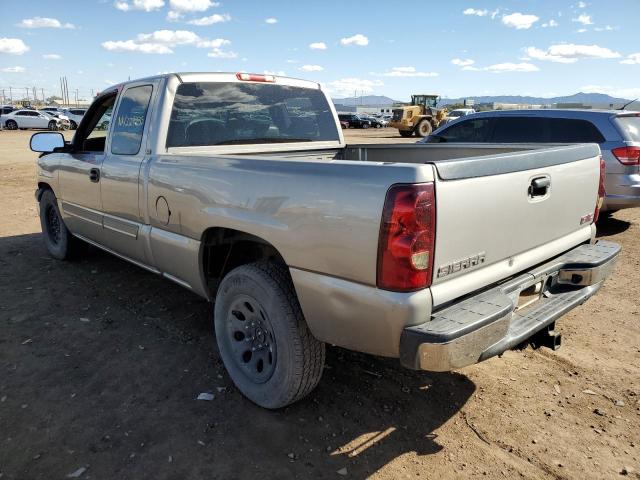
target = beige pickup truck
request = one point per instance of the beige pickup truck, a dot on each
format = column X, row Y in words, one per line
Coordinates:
column 239, row 187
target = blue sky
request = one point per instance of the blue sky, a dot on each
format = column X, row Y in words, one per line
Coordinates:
column 454, row 48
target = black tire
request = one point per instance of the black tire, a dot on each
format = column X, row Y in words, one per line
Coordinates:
column 53, row 126
column 406, row 133
column 73, row 125
column 365, row 125
column 11, row 125
column 60, row 243
column 257, row 319
column 424, row 128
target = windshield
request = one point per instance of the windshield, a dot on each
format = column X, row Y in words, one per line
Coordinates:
column 630, row 127
column 456, row 113
column 213, row 113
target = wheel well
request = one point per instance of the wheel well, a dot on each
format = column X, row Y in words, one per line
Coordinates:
column 42, row 186
column 224, row 249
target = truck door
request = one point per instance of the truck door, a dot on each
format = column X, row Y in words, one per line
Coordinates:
column 79, row 171
column 120, row 187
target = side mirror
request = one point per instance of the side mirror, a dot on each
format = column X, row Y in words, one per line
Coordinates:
column 46, row 142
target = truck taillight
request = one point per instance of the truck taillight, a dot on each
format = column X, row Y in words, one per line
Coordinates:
column 407, row 238
column 627, row 155
column 255, row 77
column 601, row 191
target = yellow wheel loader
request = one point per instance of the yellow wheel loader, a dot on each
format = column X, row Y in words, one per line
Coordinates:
column 419, row 118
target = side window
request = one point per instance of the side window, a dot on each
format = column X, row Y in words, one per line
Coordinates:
column 566, row 130
column 128, row 124
column 472, row 130
column 520, row 130
column 22, row 114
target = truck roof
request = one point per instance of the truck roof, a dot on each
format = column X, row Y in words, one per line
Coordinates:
column 222, row 77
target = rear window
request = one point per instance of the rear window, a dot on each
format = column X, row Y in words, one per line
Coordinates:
column 565, row 130
column 630, row 127
column 214, row 113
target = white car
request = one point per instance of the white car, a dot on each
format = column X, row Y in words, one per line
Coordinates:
column 24, row 119
column 75, row 116
column 458, row 113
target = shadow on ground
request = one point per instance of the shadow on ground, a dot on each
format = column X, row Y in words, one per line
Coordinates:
column 609, row 225
column 101, row 363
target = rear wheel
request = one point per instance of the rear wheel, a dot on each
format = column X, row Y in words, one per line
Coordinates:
column 263, row 339
column 405, row 133
column 365, row 125
column 73, row 124
column 424, row 128
column 11, row 125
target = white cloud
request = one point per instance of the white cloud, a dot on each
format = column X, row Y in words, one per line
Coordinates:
column 162, row 42
column 570, row 53
column 13, row 46
column 495, row 13
column 550, row 23
column 519, row 21
column 632, row 59
column 581, row 5
column 51, row 56
column 14, row 70
column 473, row 11
column 583, row 19
column 44, row 22
column 581, row 30
column 279, row 73
column 271, row 20
column 406, row 72
column 169, row 37
column 357, row 39
column 219, row 53
column 511, row 67
column 606, row 28
column 347, row 86
column 318, row 46
column 311, row 68
column 132, row 46
column 191, row 5
column 146, row 5
column 460, row 62
column 210, row 20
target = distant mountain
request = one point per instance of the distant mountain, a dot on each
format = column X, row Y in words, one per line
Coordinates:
column 580, row 97
column 365, row 100
column 576, row 98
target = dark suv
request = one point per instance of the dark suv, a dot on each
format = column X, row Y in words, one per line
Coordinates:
column 616, row 131
column 354, row 121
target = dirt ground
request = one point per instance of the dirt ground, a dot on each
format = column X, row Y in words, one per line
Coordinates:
column 101, row 363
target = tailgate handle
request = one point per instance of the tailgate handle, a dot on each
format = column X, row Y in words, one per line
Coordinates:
column 539, row 187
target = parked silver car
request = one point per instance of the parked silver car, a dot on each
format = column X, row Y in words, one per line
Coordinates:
column 616, row 131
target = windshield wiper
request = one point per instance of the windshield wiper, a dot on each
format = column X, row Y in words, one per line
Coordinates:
column 246, row 141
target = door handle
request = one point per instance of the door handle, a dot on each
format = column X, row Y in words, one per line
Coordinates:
column 94, row 175
column 539, row 187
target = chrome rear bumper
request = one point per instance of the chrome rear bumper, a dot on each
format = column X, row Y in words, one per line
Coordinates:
column 489, row 323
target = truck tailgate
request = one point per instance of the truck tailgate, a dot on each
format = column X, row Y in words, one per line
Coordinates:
column 497, row 216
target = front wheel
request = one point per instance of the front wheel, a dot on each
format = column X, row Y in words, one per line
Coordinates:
column 11, row 125
column 424, row 128
column 57, row 237
column 52, row 125
column 73, row 125
column 263, row 339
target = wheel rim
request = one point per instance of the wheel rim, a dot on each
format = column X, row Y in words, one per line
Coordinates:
column 12, row 125
column 250, row 336
column 424, row 129
column 52, row 126
column 53, row 225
